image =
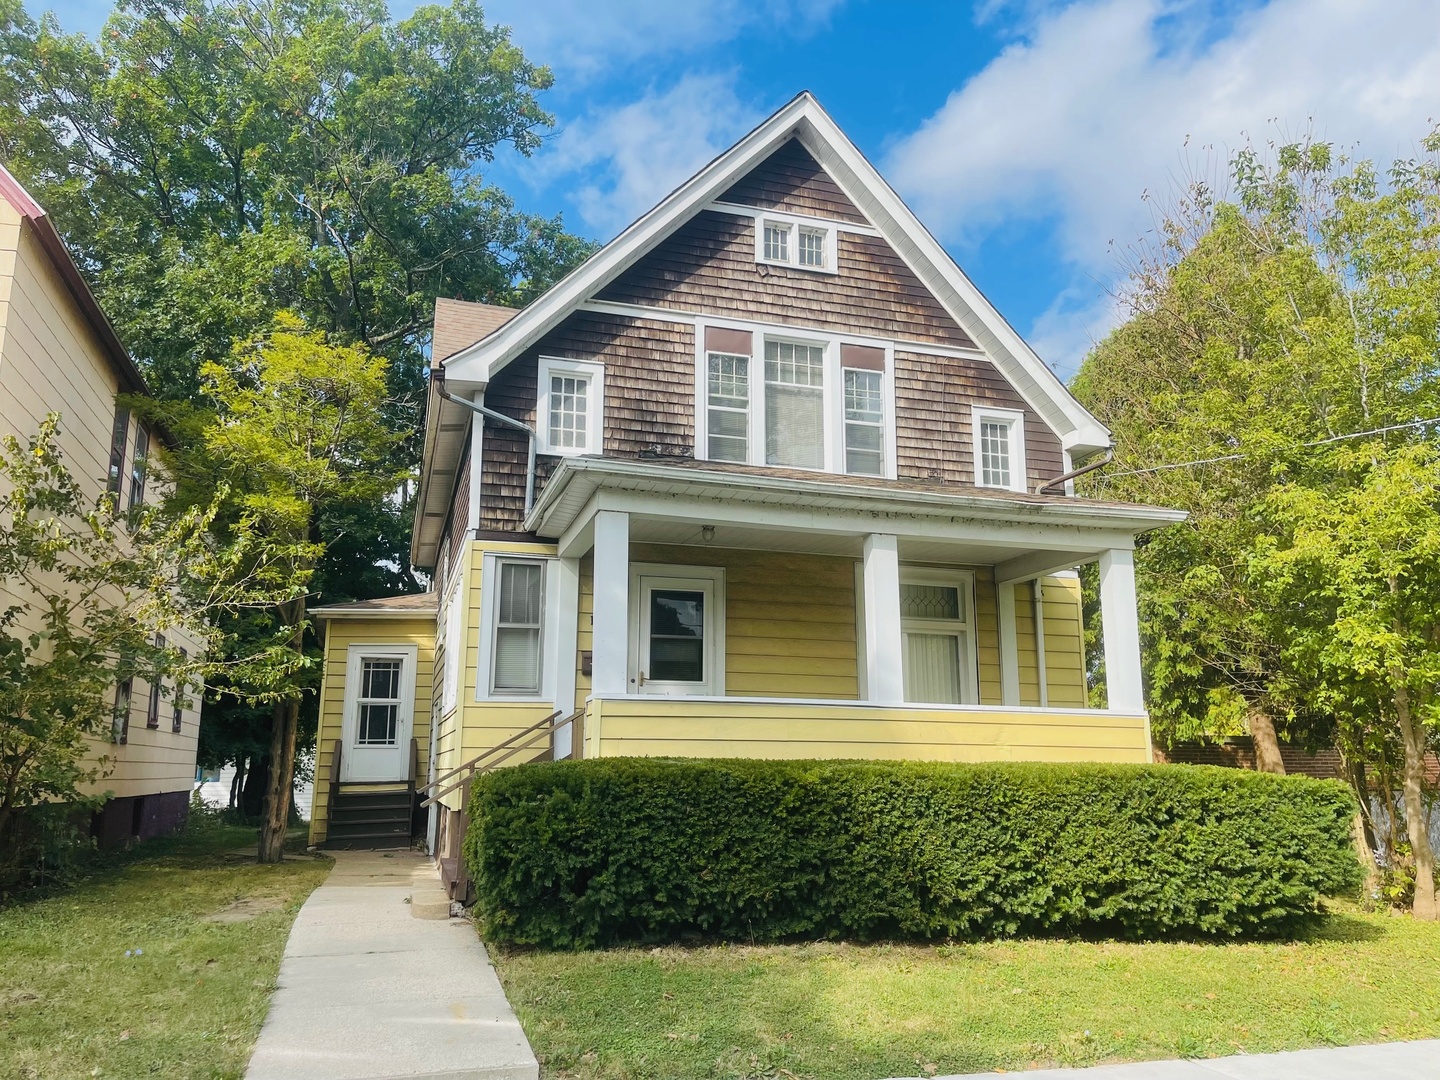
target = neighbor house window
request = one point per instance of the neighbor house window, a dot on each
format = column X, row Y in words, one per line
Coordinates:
column 794, row 404
column 999, row 448
column 119, row 435
column 937, row 637
column 570, row 406
column 137, row 467
column 519, row 604
column 378, row 706
column 152, row 711
column 123, row 691
column 177, row 721
column 799, row 242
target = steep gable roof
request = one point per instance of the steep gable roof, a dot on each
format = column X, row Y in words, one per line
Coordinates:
column 803, row 121
column 460, row 323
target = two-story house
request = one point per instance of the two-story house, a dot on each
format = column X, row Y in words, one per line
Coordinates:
column 767, row 476
column 59, row 353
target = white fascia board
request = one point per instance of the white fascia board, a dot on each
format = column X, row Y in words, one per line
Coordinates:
column 647, row 483
column 1040, row 386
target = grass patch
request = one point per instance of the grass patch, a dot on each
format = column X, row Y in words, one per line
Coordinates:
column 846, row 1012
column 72, row 1004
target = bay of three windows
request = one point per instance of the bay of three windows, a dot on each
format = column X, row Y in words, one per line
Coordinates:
column 799, row 404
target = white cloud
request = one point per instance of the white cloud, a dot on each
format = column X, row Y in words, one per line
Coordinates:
column 1096, row 102
column 586, row 37
column 630, row 157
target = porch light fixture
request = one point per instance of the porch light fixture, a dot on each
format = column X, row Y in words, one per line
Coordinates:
column 707, row 533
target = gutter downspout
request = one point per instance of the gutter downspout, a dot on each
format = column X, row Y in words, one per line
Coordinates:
column 438, row 374
column 1099, row 463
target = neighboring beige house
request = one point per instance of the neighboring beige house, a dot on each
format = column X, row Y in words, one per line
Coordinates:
column 59, row 353
column 765, row 477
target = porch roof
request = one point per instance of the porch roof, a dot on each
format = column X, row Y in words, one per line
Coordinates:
column 577, row 481
column 408, row 606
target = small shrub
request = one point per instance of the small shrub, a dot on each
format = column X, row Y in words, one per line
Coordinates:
column 575, row 854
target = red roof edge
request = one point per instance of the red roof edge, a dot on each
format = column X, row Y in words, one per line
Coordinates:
column 16, row 195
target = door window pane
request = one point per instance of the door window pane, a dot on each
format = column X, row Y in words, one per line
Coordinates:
column 677, row 636
column 794, row 405
column 379, row 704
column 932, row 668
column 517, row 627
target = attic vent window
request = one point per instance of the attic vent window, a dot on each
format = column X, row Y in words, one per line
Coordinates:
column 798, row 242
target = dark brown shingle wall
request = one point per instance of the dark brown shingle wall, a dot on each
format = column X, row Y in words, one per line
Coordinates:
column 791, row 180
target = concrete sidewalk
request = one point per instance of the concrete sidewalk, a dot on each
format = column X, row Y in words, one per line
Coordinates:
column 1383, row 1061
column 373, row 987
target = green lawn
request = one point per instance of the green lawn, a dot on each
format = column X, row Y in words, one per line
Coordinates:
column 845, row 1012
column 72, row 1004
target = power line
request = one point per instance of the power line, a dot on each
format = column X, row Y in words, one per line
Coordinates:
column 1301, row 446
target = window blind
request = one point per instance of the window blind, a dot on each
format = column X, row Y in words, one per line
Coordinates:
column 517, row 627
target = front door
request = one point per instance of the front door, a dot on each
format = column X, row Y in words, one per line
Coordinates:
column 379, row 713
column 676, row 653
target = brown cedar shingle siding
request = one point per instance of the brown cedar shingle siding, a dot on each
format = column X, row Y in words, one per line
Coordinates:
column 933, row 437
column 790, row 179
column 708, row 265
column 649, row 402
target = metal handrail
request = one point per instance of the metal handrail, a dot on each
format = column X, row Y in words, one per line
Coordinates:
column 515, row 744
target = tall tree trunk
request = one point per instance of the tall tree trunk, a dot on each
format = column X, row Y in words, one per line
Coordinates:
column 1413, row 784
column 277, row 791
column 1365, row 842
column 1267, row 746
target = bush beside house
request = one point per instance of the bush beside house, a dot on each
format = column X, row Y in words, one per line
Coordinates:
column 577, row 854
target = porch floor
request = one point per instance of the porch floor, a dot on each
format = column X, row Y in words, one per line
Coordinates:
column 370, row 988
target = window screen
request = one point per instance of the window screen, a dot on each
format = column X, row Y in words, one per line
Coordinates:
column 569, row 410
column 517, row 628
column 729, row 400
column 777, row 242
column 864, row 420
column 379, row 703
column 794, row 405
column 677, row 636
column 995, row 465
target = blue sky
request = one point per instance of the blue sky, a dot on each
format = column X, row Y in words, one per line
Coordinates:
column 1034, row 137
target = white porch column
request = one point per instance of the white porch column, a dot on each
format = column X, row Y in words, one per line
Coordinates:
column 610, row 662
column 1121, row 629
column 1009, row 646
column 884, row 667
column 567, row 605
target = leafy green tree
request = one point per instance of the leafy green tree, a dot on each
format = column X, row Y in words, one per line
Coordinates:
column 1276, row 377
column 298, row 428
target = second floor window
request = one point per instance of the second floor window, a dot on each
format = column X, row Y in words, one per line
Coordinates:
column 570, row 406
column 999, row 448
column 795, row 403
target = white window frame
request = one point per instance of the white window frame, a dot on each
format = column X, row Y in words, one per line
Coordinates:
column 964, row 581
column 792, row 224
column 1016, row 419
column 550, row 366
column 834, row 455
column 550, row 658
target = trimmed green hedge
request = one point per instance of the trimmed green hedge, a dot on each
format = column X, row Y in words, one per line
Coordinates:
column 575, row 854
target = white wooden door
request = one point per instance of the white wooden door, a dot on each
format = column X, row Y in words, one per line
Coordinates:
column 379, row 713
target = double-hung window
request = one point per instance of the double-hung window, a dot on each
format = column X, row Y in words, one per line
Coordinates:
column 516, row 637
column 137, row 467
column 794, row 404
column 863, row 371
column 570, row 407
column 999, row 448
column 800, row 242
column 152, row 711
column 728, row 406
column 119, row 436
